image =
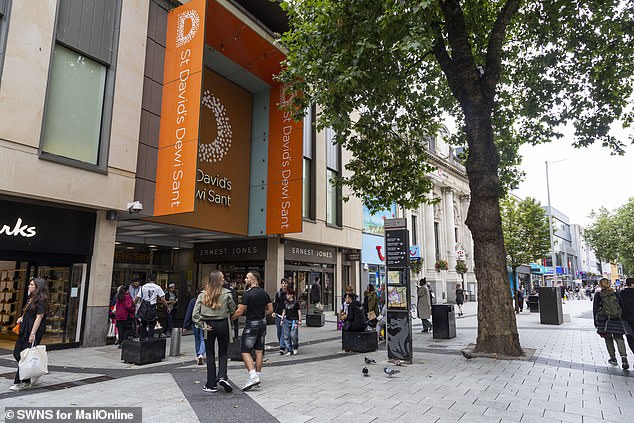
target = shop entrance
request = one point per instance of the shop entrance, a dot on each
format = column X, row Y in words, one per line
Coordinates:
column 301, row 279
column 66, row 284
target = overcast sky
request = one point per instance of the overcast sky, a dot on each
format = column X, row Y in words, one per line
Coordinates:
column 586, row 180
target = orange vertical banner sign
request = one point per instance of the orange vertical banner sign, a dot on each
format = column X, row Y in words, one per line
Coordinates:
column 180, row 110
column 285, row 163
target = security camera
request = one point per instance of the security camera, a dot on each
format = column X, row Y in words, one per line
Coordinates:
column 135, row 207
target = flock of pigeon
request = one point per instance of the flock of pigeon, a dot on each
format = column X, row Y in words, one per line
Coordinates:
column 389, row 372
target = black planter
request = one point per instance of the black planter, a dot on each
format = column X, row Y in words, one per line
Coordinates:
column 143, row 352
column 366, row 341
column 315, row 320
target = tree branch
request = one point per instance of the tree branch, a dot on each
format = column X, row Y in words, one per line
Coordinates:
column 496, row 41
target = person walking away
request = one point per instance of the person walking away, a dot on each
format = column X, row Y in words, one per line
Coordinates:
column 199, row 337
column 255, row 304
column 278, row 311
column 588, row 292
column 292, row 318
column 212, row 311
column 32, row 326
column 172, row 307
column 124, row 314
column 609, row 323
column 627, row 308
column 148, row 296
column 371, row 305
column 459, row 298
column 423, row 306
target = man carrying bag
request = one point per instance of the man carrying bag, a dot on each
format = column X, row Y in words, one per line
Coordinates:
column 148, row 296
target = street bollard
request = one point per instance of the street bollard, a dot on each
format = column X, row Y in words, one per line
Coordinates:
column 175, row 342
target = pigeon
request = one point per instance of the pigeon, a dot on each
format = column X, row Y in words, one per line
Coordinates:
column 365, row 371
column 369, row 360
column 398, row 363
column 467, row 355
column 389, row 372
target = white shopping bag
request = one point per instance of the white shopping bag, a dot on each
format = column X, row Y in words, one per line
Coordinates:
column 33, row 362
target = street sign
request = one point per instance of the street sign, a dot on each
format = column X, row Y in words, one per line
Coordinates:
column 398, row 296
column 397, row 250
column 461, row 254
column 414, row 251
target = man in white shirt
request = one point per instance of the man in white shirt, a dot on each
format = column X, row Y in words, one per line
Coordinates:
column 148, row 295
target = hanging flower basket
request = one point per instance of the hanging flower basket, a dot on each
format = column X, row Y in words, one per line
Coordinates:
column 441, row 265
column 416, row 265
column 461, row 267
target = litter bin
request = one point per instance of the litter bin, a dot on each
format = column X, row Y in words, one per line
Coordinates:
column 533, row 303
column 443, row 321
column 550, row 311
column 175, row 342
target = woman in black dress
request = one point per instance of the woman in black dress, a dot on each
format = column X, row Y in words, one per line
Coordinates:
column 32, row 326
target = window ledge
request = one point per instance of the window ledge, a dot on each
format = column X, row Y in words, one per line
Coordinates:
column 72, row 162
column 330, row 225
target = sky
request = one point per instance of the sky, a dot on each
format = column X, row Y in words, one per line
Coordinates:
column 587, row 179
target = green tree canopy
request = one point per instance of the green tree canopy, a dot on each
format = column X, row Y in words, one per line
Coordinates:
column 611, row 235
column 386, row 73
column 526, row 231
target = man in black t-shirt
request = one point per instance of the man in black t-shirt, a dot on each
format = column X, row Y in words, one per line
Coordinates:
column 256, row 304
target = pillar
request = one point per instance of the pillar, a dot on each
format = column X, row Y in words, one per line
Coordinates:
column 100, row 279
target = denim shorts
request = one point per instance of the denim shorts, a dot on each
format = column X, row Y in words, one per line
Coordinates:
column 253, row 336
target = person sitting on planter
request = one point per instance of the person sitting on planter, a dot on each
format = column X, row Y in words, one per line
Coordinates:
column 354, row 320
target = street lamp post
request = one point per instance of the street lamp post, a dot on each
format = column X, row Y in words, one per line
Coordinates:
column 550, row 225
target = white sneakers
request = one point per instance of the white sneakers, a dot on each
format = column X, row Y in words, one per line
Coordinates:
column 252, row 382
column 200, row 360
column 20, row 386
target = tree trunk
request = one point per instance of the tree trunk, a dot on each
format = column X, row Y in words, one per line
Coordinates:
column 497, row 328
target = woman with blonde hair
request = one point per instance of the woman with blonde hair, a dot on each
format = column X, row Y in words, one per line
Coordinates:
column 607, row 310
column 211, row 313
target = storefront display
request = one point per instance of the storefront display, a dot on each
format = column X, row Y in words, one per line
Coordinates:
column 50, row 243
column 306, row 264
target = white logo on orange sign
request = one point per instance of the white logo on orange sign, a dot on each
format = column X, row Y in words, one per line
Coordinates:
column 216, row 150
column 181, row 37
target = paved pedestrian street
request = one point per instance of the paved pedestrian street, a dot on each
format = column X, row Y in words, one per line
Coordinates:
column 566, row 379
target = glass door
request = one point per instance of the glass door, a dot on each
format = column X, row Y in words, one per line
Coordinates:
column 58, row 278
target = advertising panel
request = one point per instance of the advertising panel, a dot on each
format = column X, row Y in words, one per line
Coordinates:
column 222, row 176
column 284, row 191
column 180, row 109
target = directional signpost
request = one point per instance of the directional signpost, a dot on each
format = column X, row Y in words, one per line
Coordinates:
column 399, row 321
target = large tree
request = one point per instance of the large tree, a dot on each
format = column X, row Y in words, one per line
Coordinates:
column 611, row 235
column 526, row 232
column 387, row 73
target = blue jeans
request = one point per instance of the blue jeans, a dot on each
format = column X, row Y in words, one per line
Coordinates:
column 280, row 332
column 199, row 341
column 291, row 335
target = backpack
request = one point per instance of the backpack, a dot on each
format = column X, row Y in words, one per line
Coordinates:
column 610, row 305
column 147, row 311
